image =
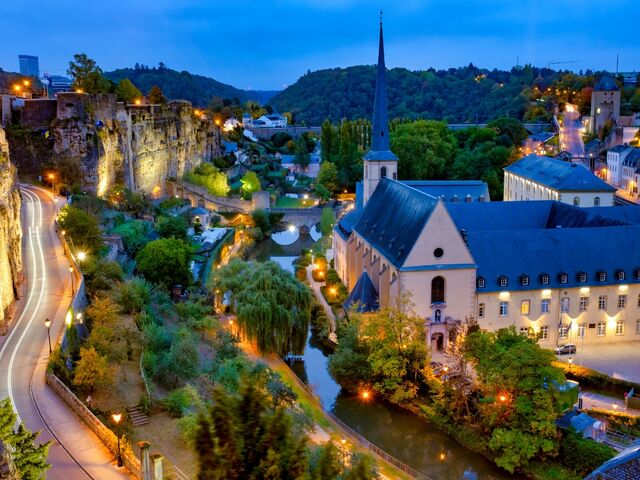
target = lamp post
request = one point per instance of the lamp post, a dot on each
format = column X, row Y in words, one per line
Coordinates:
column 117, row 417
column 72, row 284
column 47, row 323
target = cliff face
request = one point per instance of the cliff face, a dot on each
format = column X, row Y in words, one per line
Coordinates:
column 7, row 468
column 10, row 234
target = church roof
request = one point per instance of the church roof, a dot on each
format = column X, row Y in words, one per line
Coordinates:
column 452, row 190
column 393, row 219
column 606, row 84
column 558, row 175
column 364, row 295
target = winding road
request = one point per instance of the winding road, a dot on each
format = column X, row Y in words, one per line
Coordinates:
column 570, row 134
column 76, row 453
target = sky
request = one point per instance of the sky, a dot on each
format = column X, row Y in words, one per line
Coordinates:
column 268, row 44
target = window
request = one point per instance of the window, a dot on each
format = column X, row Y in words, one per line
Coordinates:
column 638, row 300
column 602, row 276
column 620, row 327
column 564, row 278
column 525, row 306
column 544, row 305
column 622, row 302
column 544, row 332
column 638, row 327
column 582, row 277
column 481, row 310
column 481, row 285
column 395, row 176
column 383, row 172
column 438, row 252
column 584, row 304
column 524, row 331
column 524, row 280
column 602, row 302
column 564, row 304
column 504, row 309
column 620, row 274
column 596, row 202
column 544, row 279
column 602, row 329
column 636, row 273
column 576, row 201
column 563, row 332
column 582, row 330
column 437, row 290
column 503, row 281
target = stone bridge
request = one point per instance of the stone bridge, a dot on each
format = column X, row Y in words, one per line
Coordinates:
column 200, row 197
column 301, row 217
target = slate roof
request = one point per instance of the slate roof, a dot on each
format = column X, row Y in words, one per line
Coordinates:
column 619, row 148
column 629, row 214
column 345, row 225
column 541, row 137
column 452, row 190
column 363, row 295
column 394, row 218
column 606, row 84
column 632, row 158
column 558, row 175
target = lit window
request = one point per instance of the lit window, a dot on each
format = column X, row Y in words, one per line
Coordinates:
column 544, row 305
column 503, row 281
column 564, row 278
column 620, row 327
column 480, row 282
column 602, row 276
column 524, row 280
column 602, row 329
column 622, row 302
column 563, row 332
column 544, row 332
column 525, row 306
column 602, row 302
column 564, row 304
column 544, row 279
column 584, row 304
column 582, row 330
column 504, row 309
column 481, row 310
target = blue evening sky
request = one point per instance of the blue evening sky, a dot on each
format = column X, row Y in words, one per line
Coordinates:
column 266, row 44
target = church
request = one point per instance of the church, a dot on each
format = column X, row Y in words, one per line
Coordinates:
column 568, row 274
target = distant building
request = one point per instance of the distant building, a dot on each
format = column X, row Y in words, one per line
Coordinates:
column 57, row 84
column 230, row 124
column 29, row 65
column 273, row 120
column 605, row 103
column 623, row 164
column 537, row 143
column 544, row 178
column 311, row 170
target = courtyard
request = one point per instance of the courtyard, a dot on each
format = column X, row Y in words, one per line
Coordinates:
column 619, row 360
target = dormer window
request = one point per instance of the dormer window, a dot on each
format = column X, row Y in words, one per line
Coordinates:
column 544, row 279
column 564, row 278
column 503, row 281
column 582, row 277
column 636, row 273
column 524, row 280
column 480, row 282
column 620, row 275
column 602, row 276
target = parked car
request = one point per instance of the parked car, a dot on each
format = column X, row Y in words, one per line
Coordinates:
column 565, row 349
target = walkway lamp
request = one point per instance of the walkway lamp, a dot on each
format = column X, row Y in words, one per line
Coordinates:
column 72, row 284
column 47, row 323
column 117, row 417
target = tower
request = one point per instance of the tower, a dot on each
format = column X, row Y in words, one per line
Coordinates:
column 605, row 103
column 379, row 162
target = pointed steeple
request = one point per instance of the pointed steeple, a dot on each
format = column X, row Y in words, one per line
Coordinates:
column 380, row 131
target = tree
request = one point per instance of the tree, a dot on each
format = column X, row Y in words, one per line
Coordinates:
column 29, row 457
column 172, row 227
column 166, row 262
column 82, row 228
column 206, row 175
column 92, row 370
column 86, row 75
column 322, row 193
column 328, row 176
column 250, row 184
column 327, row 221
column 302, row 156
column 329, row 141
column 102, row 311
column 262, row 221
column 127, row 91
column 183, row 359
column 273, row 308
column 155, row 96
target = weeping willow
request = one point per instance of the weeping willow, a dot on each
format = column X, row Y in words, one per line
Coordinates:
column 273, row 309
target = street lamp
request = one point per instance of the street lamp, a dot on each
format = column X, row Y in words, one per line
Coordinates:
column 47, row 323
column 72, row 284
column 81, row 256
column 116, row 419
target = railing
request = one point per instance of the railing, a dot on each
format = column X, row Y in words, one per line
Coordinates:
column 355, row 436
column 144, row 377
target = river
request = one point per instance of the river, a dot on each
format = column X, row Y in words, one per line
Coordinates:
column 415, row 442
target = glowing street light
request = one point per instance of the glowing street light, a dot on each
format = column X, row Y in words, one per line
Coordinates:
column 365, row 395
column 117, row 417
column 47, row 323
column 81, row 256
column 333, row 290
column 72, row 284
column 442, row 456
column 292, row 228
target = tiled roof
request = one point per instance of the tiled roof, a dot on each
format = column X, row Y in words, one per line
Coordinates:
column 452, row 190
column 393, row 219
column 558, row 175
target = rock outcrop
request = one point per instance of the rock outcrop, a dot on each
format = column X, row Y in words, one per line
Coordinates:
column 104, row 143
column 10, row 235
column 7, row 468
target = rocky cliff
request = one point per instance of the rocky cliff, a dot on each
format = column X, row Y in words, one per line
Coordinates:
column 102, row 143
column 10, row 234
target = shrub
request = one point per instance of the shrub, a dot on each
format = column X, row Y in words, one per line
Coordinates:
column 166, row 262
column 583, row 455
column 82, row 228
column 188, row 426
column 172, row 227
column 134, row 235
column 177, row 403
column 594, row 380
column 134, row 294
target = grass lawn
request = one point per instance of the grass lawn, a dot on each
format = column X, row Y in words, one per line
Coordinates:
column 289, row 202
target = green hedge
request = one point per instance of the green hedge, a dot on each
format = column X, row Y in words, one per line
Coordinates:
column 593, row 380
column 583, row 455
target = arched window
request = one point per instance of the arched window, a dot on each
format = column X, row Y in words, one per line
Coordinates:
column 437, row 290
column 383, row 172
column 576, row 201
column 596, row 202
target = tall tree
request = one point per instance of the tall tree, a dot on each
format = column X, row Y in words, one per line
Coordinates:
column 166, row 262
column 92, row 370
column 155, row 96
column 82, row 228
column 86, row 75
column 127, row 91
column 328, row 176
column 250, row 184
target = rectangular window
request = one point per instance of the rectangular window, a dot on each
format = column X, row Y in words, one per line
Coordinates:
column 481, row 310
column 544, row 305
column 524, row 331
column 602, row 329
column 504, row 309
column 620, row 327
column 563, row 332
column 582, row 330
column 544, row 333
column 584, row 304
column 602, row 302
column 638, row 301
column 564, row 305
column 638, row 326
column 622, row 302
column 545, row 279
column 525, row 306
column 503, row 281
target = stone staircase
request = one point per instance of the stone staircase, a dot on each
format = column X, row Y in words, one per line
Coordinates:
column 137, row 416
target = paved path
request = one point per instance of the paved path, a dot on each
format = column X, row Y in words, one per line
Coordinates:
column 570, row 134
column 618, row 360
column 76, row 454
column 592, row 400
column 315, row 287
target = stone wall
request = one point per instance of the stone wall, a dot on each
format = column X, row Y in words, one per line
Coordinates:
column 10, row 235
